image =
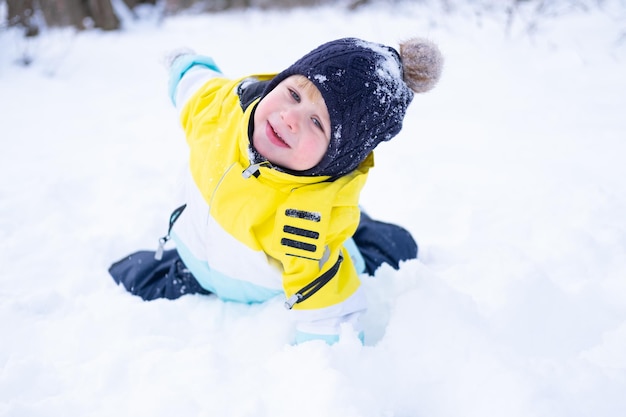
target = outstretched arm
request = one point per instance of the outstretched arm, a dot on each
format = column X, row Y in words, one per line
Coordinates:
column 187, row 73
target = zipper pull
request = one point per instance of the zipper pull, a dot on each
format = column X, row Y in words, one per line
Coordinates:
column 253, row 169
column 293, row 300
column 158, row 255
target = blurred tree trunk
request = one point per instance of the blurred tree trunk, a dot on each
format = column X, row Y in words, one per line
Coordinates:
column 59, row 13
column 101, row 11
column 131, row 4
column 63, row 13
column 20, row 13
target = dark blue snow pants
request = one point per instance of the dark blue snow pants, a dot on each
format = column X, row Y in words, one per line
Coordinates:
column 149, row 279
column 381, row 242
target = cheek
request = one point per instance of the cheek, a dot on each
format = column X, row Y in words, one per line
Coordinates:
column 260, row 111
column 316, row 148
column 266, row 105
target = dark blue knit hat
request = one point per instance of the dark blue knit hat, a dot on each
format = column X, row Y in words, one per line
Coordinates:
column 366, row 91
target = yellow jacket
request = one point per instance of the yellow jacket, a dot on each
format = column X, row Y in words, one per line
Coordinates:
column 241, row 213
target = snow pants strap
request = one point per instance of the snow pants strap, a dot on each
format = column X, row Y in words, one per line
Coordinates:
column 162, row 241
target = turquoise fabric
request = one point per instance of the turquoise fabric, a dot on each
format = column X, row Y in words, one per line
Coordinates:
column 225, row 287
column 184, row 63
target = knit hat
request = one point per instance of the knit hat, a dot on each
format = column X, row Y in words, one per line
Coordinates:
column 367, row 88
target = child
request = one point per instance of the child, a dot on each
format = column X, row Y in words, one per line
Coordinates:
column 277, row 163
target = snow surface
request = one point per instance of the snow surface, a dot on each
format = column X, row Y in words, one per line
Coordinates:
column 510, row 174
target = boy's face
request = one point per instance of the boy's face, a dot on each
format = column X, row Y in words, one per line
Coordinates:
column 292, row 125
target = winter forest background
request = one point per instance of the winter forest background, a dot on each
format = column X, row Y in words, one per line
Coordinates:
column 510, row 174
column 31, row 15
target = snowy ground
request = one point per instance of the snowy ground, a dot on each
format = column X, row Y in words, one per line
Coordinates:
column 510, row 174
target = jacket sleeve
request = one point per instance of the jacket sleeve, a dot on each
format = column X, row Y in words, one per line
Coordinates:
column 188, row 73
column 321, row 218
column 340, row 301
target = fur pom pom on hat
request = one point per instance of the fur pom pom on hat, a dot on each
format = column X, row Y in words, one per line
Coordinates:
column 367, row 88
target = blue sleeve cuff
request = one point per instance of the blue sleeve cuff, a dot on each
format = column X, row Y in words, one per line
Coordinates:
column 302, row 337
column 330, row 339
column 184, row 63
column 355, row 255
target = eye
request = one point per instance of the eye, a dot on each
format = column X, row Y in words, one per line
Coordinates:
column 294, row 95
column 317, row 123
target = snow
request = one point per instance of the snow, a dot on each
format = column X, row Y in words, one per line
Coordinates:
column 509, row 173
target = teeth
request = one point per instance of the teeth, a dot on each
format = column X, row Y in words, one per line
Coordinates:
column 278, row 136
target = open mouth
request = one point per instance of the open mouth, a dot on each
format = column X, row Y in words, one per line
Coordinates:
column 274, row 137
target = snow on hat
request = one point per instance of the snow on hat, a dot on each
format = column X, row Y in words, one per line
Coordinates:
column 367, row 88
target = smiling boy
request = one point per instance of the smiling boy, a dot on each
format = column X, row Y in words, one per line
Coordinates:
column 277, row 163
column 292, row 125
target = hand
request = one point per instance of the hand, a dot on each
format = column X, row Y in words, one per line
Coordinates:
column 170, row 57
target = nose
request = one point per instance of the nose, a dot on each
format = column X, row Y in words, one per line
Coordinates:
column 290, row 116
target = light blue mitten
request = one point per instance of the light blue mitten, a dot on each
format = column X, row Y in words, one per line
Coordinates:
column 180, row 63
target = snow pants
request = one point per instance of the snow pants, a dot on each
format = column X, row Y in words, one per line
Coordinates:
column 148, row 278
